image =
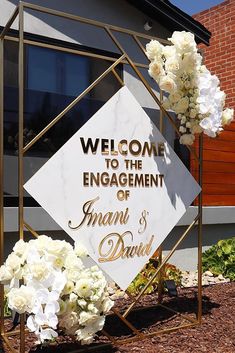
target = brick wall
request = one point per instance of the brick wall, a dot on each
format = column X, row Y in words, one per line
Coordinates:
column 219, row 153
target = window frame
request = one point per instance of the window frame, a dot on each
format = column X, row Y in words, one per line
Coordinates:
column 64, row 46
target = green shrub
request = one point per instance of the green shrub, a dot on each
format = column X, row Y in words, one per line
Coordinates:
column 220, row 259
column 169, row 272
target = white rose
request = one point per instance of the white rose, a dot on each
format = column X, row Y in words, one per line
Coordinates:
column 182, row 105
column 72, row 274
column 169, row 51
column 21, row 299
column 155, row 70
column 174, row 97
column 85, row 335
column 39, row 270
column 153, row 49
column 6, row 274
column 187, row 139
column 73, row 262
column 21, row 248
column 167, row 84
column 13, row 262
column 41, row 242
column 87, row 318
column 172, row 64
column 59, row 247
column 227, row 116
column 183, row 41
column 69, row 320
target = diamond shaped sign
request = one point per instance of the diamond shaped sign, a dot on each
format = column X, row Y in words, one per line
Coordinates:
column 117, row 187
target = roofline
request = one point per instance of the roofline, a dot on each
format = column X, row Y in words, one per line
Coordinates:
column 184, row 21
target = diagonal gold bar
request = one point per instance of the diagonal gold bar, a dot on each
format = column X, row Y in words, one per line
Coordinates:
column 176, row 312
column 8, row 343
column 113, row 340
column 72, row 104
column 149, row 89
column 161, row 266
column 9, row 23
column 73, row 51
column 133, row 329
column 88, row 21
column 156, row 333
column 31, row 230
column 139, row 43
column 1, row 179
column 118, row 77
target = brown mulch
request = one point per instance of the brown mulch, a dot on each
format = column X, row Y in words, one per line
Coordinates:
column 215, row 335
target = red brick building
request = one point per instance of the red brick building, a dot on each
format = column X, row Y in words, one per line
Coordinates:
column 219, row 153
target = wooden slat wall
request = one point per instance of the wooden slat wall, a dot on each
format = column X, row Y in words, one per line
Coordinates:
column 218, row 168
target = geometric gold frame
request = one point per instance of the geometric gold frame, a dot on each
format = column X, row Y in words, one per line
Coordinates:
column 22, row 225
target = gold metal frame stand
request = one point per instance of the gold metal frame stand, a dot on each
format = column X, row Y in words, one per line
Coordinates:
column 124, row 59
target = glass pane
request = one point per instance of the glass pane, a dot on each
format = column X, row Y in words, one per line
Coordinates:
column 52, row 80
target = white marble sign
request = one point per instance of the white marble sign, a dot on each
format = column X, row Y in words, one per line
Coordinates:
column 117, row 187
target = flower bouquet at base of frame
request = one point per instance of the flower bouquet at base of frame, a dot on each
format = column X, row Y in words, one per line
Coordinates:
column 57, row 291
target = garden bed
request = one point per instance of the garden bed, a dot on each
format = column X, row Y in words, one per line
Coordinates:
column 215, row 335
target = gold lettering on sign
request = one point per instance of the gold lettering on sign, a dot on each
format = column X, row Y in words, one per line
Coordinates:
column 143, row 222
column 123, row 147
column 92, row 218
column 112, row 247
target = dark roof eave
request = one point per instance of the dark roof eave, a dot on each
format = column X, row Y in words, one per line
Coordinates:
column 162, row 10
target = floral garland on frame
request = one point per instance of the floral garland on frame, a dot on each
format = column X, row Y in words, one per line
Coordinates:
column 58, row 291
column 194, row 93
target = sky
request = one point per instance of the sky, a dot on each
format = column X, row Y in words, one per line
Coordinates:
column 194, row 6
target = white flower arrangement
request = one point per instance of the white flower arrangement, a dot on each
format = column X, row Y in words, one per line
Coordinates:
column 194, row 94
column 57, row 290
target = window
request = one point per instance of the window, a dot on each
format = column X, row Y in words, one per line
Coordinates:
column 53, row 79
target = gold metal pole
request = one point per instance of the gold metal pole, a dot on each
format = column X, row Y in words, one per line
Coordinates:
column 21, row 123
column 161, row 273
column 200, row 230
column 89, row 21
column 118, row 77
column 31, row 230
column 148, row 87
column 73, row 51
column 156, row 333
column 9, row 23
column 20, row 152
column 161, row 266
column 1, row 179
column 72, row 104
